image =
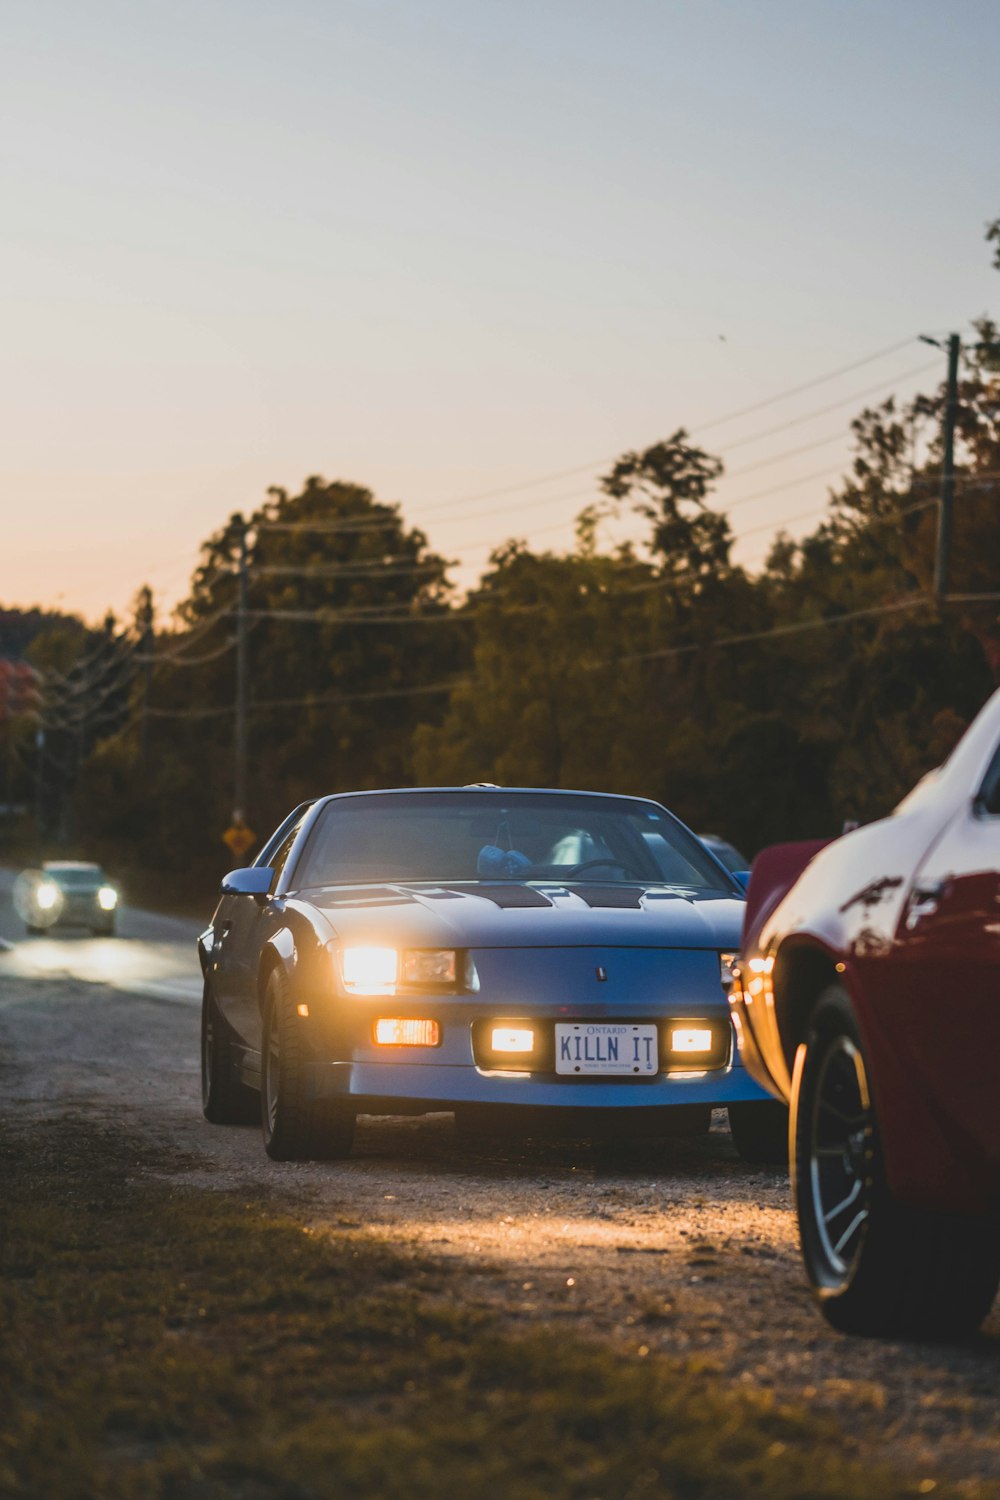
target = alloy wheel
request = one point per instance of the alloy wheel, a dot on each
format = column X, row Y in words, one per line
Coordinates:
column 840, row 1155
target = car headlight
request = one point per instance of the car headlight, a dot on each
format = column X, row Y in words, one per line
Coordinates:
column 46, row 895
column 369, row 971
column 107, row 898
column 384, row 971
column 437, row 966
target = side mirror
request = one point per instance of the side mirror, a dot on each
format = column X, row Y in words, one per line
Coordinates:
column 743, row 878
column 254, row 881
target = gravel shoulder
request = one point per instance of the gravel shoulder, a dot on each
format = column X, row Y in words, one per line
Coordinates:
column 673, row 1248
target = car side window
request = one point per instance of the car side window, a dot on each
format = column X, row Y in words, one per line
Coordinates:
column 283, row 850
column 989, row 793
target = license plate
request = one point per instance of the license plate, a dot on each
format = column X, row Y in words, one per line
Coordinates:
column 605, row 1049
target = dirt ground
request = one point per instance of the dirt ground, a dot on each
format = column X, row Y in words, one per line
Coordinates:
column 666, row 1247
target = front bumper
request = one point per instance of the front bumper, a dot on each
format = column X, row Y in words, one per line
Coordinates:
column 376, row 1086
column 539, row 988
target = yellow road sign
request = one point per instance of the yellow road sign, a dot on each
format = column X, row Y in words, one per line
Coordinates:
column 239, row 838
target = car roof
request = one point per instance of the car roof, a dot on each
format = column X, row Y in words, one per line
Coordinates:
column 79, row 865
column 487, row 789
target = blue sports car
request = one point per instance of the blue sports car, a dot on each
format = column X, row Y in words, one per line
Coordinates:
column 449, row 949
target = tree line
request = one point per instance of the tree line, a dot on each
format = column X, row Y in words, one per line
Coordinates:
column 762, row 705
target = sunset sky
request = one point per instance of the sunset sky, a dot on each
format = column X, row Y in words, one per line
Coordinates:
column 448, row 248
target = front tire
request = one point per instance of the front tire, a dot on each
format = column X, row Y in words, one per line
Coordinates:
column 225, row 1098
column 296, row 1125
column 877, row 1267
column 759, row 1129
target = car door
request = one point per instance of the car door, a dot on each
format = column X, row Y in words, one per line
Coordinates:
column 949, row 940
column 240, row 928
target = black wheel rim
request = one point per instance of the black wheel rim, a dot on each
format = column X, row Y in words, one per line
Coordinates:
column 840, row 1155
column 272, row 1067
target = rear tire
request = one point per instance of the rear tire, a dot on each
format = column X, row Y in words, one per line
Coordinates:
column 759, row 1129
column 296, row 1126
column 225, row 1098
column 878, row 1268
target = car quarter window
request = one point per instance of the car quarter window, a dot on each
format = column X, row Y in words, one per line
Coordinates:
column 989, row 793
column 279, row 858
column 293, row 821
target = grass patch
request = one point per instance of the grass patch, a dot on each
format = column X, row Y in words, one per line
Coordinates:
column 179, row 1343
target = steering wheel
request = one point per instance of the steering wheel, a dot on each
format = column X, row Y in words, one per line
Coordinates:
column 590, row 864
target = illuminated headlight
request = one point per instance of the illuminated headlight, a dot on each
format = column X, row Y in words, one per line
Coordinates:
column 369, row 971
column 107, row 898
column 512, row 1039
column 438, row 966
column 691, row 1039
column 406, row 1031
column 46, row 895
column 727, row 971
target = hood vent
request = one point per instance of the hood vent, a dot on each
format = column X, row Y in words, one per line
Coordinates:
column 507, row 897
column 622, row 897
column 366, row 895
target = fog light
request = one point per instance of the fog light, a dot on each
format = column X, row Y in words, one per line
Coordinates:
column 690, row 1039
column 404, row 1031
column 107, row 898
column 512, row 1039
column 46, row 896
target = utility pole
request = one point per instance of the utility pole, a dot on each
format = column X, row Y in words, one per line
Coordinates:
column 242, row 676
column 942, row 565
column 39, row 782
column 147, row 638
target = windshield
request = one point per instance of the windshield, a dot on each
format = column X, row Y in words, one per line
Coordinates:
column 75, row 878
column 462, row 836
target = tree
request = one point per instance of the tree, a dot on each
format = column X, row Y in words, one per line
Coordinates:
column 350, row 640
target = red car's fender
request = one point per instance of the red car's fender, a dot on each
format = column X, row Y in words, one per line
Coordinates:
column 929, row 1029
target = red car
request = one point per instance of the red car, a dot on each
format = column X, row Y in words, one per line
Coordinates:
column 867, row 997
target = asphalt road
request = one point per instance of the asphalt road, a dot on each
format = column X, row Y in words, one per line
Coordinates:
column 672, row 1247
column 151, row 955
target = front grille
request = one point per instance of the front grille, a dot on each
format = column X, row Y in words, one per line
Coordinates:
column 543, row 1059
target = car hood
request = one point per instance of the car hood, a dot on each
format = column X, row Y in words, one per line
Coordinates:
column 520, row 916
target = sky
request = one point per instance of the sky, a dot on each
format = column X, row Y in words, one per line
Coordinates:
column 448, row 249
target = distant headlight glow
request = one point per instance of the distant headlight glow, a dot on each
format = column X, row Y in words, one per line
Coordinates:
column 46, row 895
column 370, row 971
column 107, row 898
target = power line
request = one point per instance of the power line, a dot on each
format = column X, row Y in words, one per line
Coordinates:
column 352, row 570
column 313, row 701
column 698, row 428
column 872, row 390
column 776, row 630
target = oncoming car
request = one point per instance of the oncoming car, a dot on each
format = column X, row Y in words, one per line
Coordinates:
column 67, row 893
column 867, row 996
column 447, row 949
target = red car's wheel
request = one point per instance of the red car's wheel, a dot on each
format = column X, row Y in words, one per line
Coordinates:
column 297, row 1126
column 877, row 1267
